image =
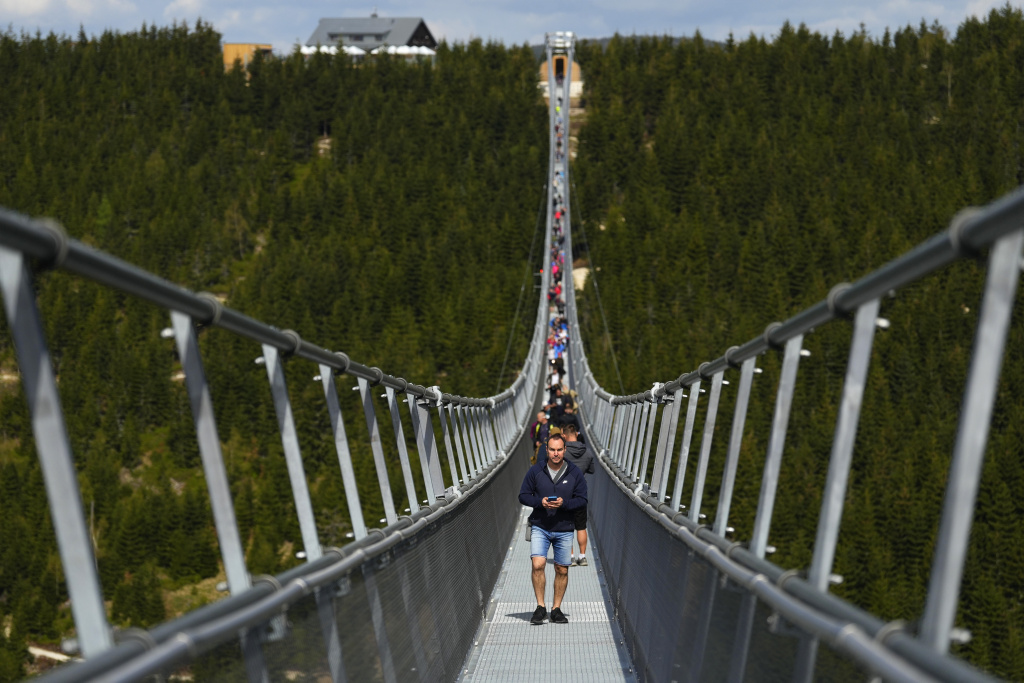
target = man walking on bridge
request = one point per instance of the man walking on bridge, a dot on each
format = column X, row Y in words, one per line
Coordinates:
column 581, row 455
column 539, row 432
column 555, row 489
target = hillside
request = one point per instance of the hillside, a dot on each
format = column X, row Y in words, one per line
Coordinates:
column 384, row 209
column 723, row 188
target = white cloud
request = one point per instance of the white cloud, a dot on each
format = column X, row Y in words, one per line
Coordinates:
column 183, row 9
column 80, row 7
column 24, row 8
column 451, row 29
column 981, row 8
column 229, row 19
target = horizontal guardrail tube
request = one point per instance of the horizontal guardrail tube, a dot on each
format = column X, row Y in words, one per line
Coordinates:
column 486, row 430
column 620, row 428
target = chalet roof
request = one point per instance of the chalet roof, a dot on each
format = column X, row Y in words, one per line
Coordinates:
column 369, row 33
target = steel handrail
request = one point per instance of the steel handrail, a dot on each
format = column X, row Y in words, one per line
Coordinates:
column 972, row 231
column 488, row 426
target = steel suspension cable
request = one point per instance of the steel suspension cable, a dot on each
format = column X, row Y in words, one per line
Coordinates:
column 526, row 278
column 597, row 290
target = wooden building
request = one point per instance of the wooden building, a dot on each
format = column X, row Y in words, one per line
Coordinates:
column 243, row 52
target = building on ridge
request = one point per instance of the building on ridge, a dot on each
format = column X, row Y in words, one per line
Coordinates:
column 244, row 52
column 369, row 33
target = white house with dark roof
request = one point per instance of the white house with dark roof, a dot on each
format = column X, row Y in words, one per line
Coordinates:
column 369, row 33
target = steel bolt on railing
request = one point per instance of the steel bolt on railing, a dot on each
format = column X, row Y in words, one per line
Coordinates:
column 483, row 430
column 617, row 423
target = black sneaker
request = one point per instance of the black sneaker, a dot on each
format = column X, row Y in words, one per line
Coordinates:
column 557, row 617
column 539, row 614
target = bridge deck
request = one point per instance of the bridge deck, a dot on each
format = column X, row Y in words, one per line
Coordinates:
column 509, row 648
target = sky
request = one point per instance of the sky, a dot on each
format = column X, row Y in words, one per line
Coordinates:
column 513, row 22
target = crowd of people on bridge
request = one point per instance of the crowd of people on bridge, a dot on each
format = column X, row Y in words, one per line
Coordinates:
column 556, row 260
column 555, row 486
column 558, row 338
column 559, row 130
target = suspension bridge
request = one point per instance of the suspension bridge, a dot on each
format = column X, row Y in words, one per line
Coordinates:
column 442, row 591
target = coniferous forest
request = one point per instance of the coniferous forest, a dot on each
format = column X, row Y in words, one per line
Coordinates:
column 383, row 209
column 724, row 187
column 386, row 209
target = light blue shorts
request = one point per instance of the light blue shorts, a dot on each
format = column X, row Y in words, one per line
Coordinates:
column 541, row 540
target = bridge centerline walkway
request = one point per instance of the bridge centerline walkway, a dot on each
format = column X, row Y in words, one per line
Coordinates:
column 590, row 647
column 509, row 648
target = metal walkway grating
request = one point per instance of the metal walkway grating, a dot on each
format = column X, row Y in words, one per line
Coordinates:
column 509, row 648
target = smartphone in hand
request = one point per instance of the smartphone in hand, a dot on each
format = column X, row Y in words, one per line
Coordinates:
column 552, row 499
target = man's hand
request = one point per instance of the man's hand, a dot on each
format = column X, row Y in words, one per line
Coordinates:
column 548, row 504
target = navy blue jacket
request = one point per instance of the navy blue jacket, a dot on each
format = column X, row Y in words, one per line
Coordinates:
column 571, row 487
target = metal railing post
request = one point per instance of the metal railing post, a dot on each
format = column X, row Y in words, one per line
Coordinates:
column 55, row 457
column 467, row 470
column 705, row 446
column 292, row 453
column 659, row 453
column 643, row 408
column 732, row 459
column 776, row 442
column 506, row 421
column 478, row 434
column 348, row 474
column 224, row 521
column 652, row 415
column 467, row 436
column 492, row 428
column 625, row 421
column 636, row 439
column 478, row 429
column 741, row 641
column 217, row 484
column 662, row 471
column 430, row 446
column 684, row 447
column 403, row 449
column 842, row 446
column 616, row 435
column 971, row 437
column 390, row 515
column 432, row 479
column 627, row 427
column 412, row 615
column 303, row 504
column 703, row 631
column 609, row 416
column 380, row 631
column 498, row 422
column 636, row 421
column 448, row 448
column 487, row 420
